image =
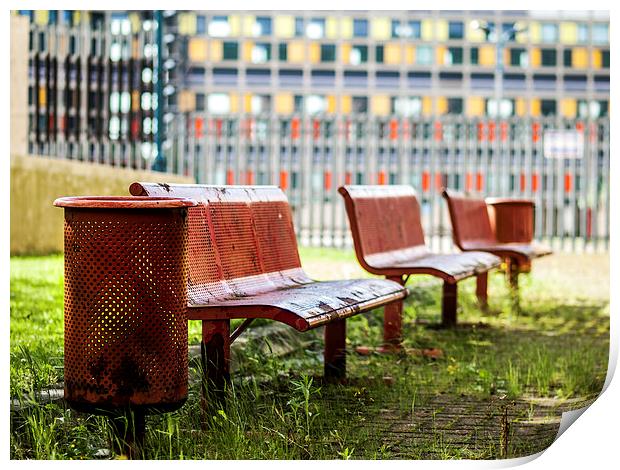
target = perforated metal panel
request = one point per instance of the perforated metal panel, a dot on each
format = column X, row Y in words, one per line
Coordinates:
column 125, row 308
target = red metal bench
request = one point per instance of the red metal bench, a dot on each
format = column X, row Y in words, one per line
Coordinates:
column 503, row 227
column 244, row 263
column 389, row 241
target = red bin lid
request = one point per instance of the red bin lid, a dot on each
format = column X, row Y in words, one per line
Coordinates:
column 125, row 202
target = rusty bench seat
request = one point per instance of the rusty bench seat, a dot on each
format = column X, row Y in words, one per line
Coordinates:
column 244, row 263
column 473, row 229
column 389, row 241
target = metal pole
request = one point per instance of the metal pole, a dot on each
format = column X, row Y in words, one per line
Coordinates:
column 160, row 162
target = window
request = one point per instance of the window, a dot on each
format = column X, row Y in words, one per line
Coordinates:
column 299, row 26
column 582, row 33
column 509, row 28
column 424, row 55
column 600, row 33
column 411, row 29
column 455, row 105
column 473, row 55
column 360, row 28
column 518, row 57
column 298, row 103
column 455, row 30
column 605, row 59
column 230, row 51
column 315, row 29
column 261, row 103
column 358, row 55
column 549, row 32
column 219, row 27
column 406, row 106
column 454, row 56
column 415, row 30
column 395, row 28
column 506, row 107
column 262, row 27
column 594, row 109
column 201, row 26
column 548, row 107
column 282, row 51
column 548, row 57
column 360, row 104
column 316, row 104
column 379, row 54
column 261, row 53
column 328, row 52
column 218, row 103
column 568, row 58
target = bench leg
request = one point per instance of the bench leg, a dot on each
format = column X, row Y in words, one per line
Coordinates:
column 335, row 350
column 393, row 320
column 448, row 305
column 128, row 431
column 512, row 273
column 481, row 289
column 215, row 354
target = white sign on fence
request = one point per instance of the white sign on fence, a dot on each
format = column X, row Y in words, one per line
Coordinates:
column 563, row 144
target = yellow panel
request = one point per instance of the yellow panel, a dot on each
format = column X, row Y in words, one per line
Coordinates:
column 284, row 103
column 216, row 51
column 428, row 30
column 234, row 103
column 295, row 51
column 135, row 100
column 77, row 16
column 521, row 37
column 535, row 57
column 409, row 54
column 248, row 23
column 568, row 33
column 440, row 55
column 580, row 57
column 475, row 106
column 187, row 23
column 346, row 28
column 392, row 53
column 187, row 101
column 197, row 49
column 597, row 59
column 474, row 34
column 486, row 55
column 442, row 105
column 247, row 102
column 534, row 32
column 247, row 51
column 380, row 105
column 285, row 26
column 235, row 25
column 569, row 107
column 42, row 96
column 380, row 28
column 136, row 24
column 345, row 104
column 331, row 27
column 41, row 17
column 427, row 106
column 441, row 30
column 315, row 53
column 331, row 104
column 520, row 107
column 535, row 107
column 345, row 51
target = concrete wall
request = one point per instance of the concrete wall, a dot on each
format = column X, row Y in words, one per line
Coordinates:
column 36, row 225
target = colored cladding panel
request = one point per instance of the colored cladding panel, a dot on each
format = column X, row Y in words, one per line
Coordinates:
column 346, row 28
column 216, row 51
column 315, row 52
column 296, row 51
column 187, row 23
column 486, row 55
column 520, row 108
column 234, row 102
column 345, row 53
column 535, row 107
column 568, row 107
column 331, row 104
column 597, row 59
column 41, row 17
column 380, row 28
column 474, row 34
column 331, row 27
column 475, row 106
column 580, row 57
column 345, row 104
column 428, row 30
column 427, row 106
column 247, row 102
column 246, row 51
column 285, row 104
column 409, row 54
column 235, row 25
column 535, row 57
column 568, row 33
column 380, row 105
column 441, row 30
column 440, row 55
column 285, row 26
column 534, row 32
column 187, row 101
column 392, row 54
column 248, row 23
column 442, row 105
column 197, row 49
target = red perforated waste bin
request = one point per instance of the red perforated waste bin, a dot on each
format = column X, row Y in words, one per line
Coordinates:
column 125, row 303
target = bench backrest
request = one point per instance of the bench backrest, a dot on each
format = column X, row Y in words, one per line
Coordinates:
column 471, row 225
column 241, row 239
column 385, row 223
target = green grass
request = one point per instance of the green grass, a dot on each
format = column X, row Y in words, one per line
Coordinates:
column 554, row 346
